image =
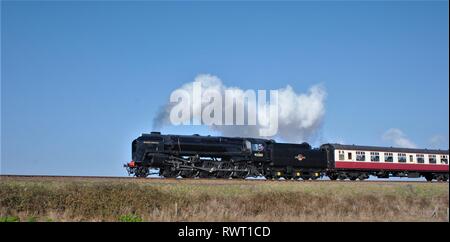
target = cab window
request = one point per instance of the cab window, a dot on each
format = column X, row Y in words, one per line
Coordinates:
column 248, row 145
column 257, row 147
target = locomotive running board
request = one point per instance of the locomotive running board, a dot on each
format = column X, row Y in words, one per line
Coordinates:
column 192, row 168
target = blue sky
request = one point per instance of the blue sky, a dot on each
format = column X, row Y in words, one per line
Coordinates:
column 80, row 80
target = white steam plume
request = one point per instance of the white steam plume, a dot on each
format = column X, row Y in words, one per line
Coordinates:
column 398, row 138
column 299, row 115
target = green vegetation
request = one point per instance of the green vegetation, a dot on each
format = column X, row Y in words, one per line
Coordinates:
column 9, row 219
column 130, row 218
column 134, row 200
column 32, row 219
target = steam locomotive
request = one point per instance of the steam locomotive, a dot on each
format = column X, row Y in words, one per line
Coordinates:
column 191, row 156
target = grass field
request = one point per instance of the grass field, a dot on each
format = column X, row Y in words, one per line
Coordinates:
column 89, row 199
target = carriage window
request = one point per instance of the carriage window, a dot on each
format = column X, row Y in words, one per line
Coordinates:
column 420, row 159
column 432, row 159
column 388, row 157
column 401, row 157
column 360, row 156
column 341, row 155
column 349, row 155
column 374, row 156
column 411, row 158
column 444, row 159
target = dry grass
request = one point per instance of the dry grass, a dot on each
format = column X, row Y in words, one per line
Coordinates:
column 218, row 200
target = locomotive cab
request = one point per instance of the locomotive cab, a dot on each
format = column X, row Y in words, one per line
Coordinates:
column 259, row 149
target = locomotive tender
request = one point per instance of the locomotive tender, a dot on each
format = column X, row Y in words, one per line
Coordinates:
column 192, row 156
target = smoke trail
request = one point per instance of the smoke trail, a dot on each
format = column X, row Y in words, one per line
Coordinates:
column 398, row 138
column 299, row 115
column 438, row 141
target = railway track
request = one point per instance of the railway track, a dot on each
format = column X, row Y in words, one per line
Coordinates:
column 56, row 177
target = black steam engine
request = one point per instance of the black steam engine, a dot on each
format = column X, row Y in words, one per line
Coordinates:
column 192, row 156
